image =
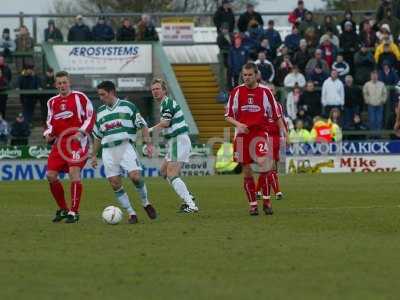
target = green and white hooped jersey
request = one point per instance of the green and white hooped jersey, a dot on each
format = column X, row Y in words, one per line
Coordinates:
column 117, row 124
column 170, row 110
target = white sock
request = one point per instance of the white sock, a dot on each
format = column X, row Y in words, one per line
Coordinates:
column 142, row 191
column 182, row 191
column 123, row 199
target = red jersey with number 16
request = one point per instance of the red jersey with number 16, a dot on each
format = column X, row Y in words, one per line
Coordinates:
column 257, row 108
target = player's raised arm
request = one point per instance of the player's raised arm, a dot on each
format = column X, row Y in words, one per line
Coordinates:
column 89, row 115
column 48, row 133
column 142, row 124
column 95, row 150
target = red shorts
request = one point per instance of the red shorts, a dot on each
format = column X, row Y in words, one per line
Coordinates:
column 249, row 147
column 62, row 156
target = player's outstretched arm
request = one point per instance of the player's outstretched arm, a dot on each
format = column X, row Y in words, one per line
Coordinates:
column 282, row 128
column 147, row 140
column 164, row 123
column 95, row 150
column 240, row 126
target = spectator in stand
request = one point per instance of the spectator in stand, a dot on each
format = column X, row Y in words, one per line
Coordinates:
column 329, row 26
column 332, row 95
column 292, row 101
column 353, row 101
column 394, row 23
column 146, row 29
column 28, row 81
column 52, row 33
column 284, row 69
column 273, row 36
column 266, row 68
column 349, row 43
column 318, row 75
column 292, row 41
column 224, row 41
column 299, row 134
column 388, row 75
column 246, row 17
column 357, row 125
column 324, row 131
column 298, row 14
column 7, row 45
column 368, row 18
column 375, row 96
column 102, row 32
column 384, row 34
column 5, row 70
column 310, row 101
column 4, row 85
column 265, row 47
column 224, row 17
column 24, row 43
column 385, row 4
column 364, row 63
column 309, row 24
column 4, row 131
column 341, row 67
column 48, row 83
column 329, row 51
column 368, row 35
column 333, row 38
column 317, row 60
column 237, row 57
column 252, row 38
column 348, row 17
column 387, row 52
column 294, row 78
column 335, row 118
column 79, row 32
column 126, row 33
column 20, row 131
column 302, row 56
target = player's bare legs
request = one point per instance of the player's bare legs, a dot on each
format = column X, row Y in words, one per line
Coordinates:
column 122, row 197
column 173, row 170
column 57, row 191
column 76, row 193
column 250, row 188
column 141, row 188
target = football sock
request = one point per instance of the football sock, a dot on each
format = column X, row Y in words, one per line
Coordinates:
column 182, row 191
column 76, row 192
column 123, row 199
column 57, row 191
column 264, row 184
column 274, row 181
column 142, row 191
column 250, row 189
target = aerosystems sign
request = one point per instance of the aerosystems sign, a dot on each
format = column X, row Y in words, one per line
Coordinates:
column 104, row 59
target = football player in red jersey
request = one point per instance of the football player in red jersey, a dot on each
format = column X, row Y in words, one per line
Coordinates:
column 70, row 122
column 251, row 109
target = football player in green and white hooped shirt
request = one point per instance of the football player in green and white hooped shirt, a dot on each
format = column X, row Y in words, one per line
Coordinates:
column 115, row 131
column 175, row 131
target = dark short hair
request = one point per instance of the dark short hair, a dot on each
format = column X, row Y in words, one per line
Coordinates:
column 62, row 74
column 107, row 85
column 250, row 65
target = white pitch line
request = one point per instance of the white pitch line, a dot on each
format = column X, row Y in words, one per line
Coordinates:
column 341, row 207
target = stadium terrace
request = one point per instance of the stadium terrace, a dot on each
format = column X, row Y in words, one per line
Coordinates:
column 104, row 51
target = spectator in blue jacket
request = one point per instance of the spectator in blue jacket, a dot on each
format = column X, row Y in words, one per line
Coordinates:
column 80, row 32
column 292, row 41
column 237, row 57
column 265, row 67
column 317, row 75
column 388, row 75
column 102, row 31
column 265, row 47
column 341, row 67
column 273, row 35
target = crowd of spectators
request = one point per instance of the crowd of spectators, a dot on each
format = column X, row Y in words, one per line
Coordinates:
column 334, row 65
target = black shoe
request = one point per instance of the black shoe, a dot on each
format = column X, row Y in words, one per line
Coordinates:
column 268, row 210
column 61, row 214
column 253, row 211
column 132, row 219
column 187, row 209
column 72, row 218
column 151, row 212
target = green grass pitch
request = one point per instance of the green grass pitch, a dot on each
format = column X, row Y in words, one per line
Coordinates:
column 333, row 237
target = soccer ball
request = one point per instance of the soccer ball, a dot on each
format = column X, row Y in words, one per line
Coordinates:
column 112, row 215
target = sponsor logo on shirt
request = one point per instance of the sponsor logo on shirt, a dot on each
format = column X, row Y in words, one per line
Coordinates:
column 251, row 108
column 113, row 125
column 63, row 115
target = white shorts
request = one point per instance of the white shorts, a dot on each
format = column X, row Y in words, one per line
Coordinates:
column 178, row 148
column 123, row 156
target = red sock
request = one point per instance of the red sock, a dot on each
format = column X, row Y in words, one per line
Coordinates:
column 274, row 181
column 57, row 191
column 76, row 192
column 250, row 188
column 259, row 184
column 264, row 184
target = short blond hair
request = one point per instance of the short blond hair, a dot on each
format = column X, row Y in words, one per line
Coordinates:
column 162, row 82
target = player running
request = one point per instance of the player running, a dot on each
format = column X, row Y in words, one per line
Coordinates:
column 115, row 131
column 70, row 122
column 175, row 131
column 251, row 109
